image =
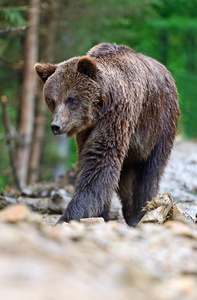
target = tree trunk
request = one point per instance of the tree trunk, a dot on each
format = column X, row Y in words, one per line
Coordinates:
column 40, row 120
column 26, row 118
column 39, row 127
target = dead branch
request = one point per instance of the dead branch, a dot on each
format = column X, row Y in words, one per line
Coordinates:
column 12, row 29
column 41, row 205
column 16, row 65
column 6, row 201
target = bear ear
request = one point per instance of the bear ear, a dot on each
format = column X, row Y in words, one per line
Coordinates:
column 86, row 65
column 44, row 71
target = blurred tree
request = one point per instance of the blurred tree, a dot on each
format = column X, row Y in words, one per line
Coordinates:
column 50, row 17
column 26, row 116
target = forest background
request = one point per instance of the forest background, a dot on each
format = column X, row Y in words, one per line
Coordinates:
column 53, row 31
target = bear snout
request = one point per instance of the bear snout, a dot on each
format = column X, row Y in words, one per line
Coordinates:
column 56, row 128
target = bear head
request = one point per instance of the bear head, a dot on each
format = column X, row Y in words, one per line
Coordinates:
column 72, row 93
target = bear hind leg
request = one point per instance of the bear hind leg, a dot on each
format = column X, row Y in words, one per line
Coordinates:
column 125, row 192
column 105, row 212
column 139, row 183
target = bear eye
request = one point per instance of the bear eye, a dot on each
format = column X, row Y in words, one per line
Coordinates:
column 70, row 100
column 51, row 104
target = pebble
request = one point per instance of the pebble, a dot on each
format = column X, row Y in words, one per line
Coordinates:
column 14, row 213
column 180, row 228
column 19, row 213
column 91, row 221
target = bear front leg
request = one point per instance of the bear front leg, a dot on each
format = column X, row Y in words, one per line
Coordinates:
column 100, row 164
column 95, row 185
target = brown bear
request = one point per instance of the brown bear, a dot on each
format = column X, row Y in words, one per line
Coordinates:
column 122, row 106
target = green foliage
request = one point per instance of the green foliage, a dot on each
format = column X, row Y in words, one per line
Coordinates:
column 11, row 49
column 12, row 15
column 73, row 153
column 186, row 83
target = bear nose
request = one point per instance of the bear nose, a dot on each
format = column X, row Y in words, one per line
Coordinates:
column 56, row 128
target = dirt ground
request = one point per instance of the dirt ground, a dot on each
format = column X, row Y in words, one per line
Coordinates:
column 92, row 259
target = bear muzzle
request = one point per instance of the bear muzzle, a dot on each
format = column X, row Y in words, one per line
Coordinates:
column 56, row 128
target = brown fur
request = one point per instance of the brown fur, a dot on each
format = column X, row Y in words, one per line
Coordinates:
column 123, row 108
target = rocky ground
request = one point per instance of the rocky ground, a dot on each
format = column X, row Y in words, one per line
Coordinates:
column 180, row 178
column 94, row 260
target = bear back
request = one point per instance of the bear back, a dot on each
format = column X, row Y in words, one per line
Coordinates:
column 105, row 49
